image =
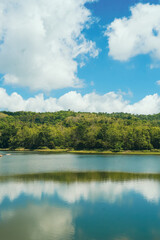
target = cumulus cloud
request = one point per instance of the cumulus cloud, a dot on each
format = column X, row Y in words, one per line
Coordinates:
column 137, row 34
column 91, row 102
column 40, row 41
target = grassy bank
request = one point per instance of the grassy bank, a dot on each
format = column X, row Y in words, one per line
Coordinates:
column 140, row 152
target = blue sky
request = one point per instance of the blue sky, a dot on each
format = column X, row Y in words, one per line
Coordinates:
column 79, row 56
column 134, row 75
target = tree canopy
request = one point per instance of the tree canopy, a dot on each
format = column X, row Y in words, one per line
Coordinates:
column 79, row 131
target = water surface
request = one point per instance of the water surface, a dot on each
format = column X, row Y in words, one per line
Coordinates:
column 126, row 207
column 95, row 210
column 19, row 162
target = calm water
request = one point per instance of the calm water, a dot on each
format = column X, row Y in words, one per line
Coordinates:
column 88, row 210
column 42, row 162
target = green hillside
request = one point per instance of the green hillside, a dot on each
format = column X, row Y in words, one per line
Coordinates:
column 79, row 131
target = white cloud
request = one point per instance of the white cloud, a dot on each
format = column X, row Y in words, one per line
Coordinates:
column 148, row 105
column 137, row 34
column 40, row 40
column 158, row 82
column 92, row 102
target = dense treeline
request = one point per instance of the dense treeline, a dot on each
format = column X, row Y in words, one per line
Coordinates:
column 79, row 131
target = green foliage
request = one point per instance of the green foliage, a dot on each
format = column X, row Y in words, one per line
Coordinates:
column 79, row 131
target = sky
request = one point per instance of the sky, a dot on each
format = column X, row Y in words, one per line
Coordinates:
column 82, row 55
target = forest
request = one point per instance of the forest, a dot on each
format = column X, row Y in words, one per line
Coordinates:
column 79, row 131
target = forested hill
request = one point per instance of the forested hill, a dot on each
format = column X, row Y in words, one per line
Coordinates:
column 79, row 131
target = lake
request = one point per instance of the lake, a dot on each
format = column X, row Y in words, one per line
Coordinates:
column 34, row 162
column 118, row 208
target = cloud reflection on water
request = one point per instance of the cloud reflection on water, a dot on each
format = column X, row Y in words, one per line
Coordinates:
column 89, row 191
column 37, row 222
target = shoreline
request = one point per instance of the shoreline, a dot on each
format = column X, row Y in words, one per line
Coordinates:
column 127, row 152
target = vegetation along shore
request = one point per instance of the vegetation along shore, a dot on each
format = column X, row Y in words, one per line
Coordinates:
column 67, row 131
